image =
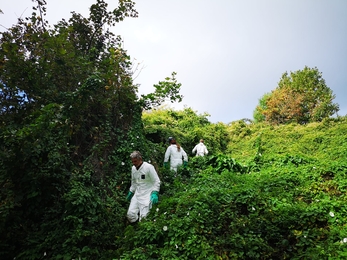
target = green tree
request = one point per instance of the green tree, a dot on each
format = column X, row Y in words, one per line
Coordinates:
column 164, row 91
column 257, row 113
column 187, row 126
column 69, row 118
column 300, row 97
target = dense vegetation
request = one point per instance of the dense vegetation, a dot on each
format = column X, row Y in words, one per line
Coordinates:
column 279, row 192
column 70, row 116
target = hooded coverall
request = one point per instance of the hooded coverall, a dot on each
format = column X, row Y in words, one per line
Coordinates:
column 175, row 156
column 200, row 149
column 143, row 182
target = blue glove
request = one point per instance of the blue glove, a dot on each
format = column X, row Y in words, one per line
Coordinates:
column 129, row 196
column 166, row 165
column 185, row 164
column 154, row 197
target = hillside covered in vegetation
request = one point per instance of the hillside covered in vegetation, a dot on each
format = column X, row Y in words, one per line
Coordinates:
column 278, row 192
column 70, row 115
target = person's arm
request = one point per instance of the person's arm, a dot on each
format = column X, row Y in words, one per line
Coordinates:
column 156, row 184
column 185, row 156
column 154, row 177
column 133, row 182
column 194, row 149
column 167, row 154
column 132, row 188
column 206, row 151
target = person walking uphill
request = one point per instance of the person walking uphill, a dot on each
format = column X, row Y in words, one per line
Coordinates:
column 175, row 153
column 144, row 189
column 200, row 149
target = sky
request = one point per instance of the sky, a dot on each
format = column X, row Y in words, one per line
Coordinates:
column 227, row 53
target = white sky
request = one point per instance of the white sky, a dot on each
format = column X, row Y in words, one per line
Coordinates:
column 227, row 53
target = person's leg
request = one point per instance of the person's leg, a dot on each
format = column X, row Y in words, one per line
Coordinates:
column 133, row 211
column 144, row 210
column 174, row 165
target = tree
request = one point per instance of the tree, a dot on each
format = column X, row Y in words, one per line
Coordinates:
column 300, row 97
column 69, row 118
column 168, row 89
column 283, row 106
column 187, row 127
column 258, row 112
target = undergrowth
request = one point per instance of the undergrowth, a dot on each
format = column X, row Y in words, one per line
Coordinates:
column 286, row 200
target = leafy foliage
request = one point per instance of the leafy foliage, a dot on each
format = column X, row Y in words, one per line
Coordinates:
column 70, row 116
column 290, row 207
column 300, row 97
column 187, row 127
column 257, row 113
column 170, row 87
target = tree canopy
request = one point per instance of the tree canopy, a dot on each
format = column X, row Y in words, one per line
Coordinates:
column 186, row 126
column 301, row 97
column 69, row 118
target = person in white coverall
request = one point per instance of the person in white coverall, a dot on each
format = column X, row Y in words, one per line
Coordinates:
column 176, row 154
column 200, row 149
column 144, row 189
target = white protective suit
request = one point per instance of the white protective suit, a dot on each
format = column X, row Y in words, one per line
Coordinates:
column 143, row 182
column 175, row 156
column 200, row 149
